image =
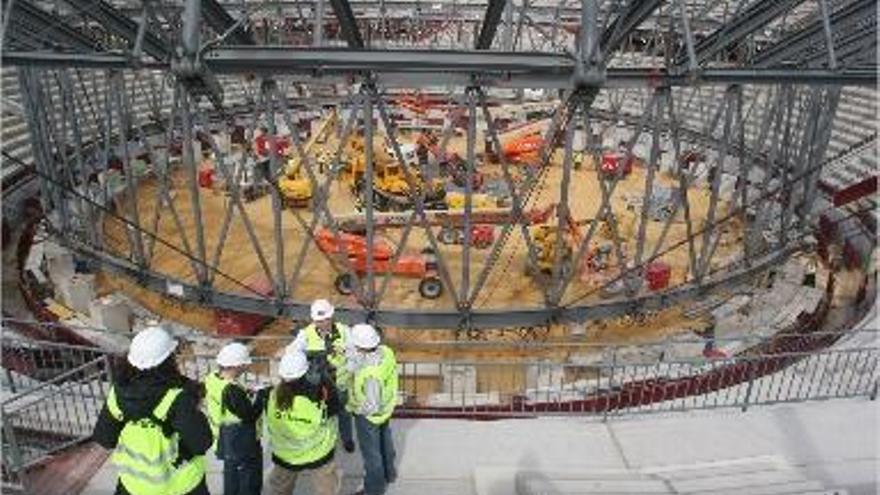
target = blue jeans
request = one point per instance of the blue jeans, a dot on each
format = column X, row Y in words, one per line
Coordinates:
column 377, row 450
column 343, row 419
column 243, row 476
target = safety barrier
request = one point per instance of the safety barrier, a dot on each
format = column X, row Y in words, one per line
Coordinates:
column 42, row 416
column 50, row 416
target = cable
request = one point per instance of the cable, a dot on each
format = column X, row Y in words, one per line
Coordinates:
column 138, row 228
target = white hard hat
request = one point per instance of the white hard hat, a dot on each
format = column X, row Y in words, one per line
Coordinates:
column 321, row 310
column 234, row 354
column 293, row 365
column 364, row 336
column 150, row 348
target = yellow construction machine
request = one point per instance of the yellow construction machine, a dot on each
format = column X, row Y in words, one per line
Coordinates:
column 295, row 188
column 391, row 190
column 294, row 185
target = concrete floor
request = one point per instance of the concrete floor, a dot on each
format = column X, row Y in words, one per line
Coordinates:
column 827, row 445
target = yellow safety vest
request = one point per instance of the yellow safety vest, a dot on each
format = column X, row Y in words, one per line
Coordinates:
column 386, row 374
column 302, row 433
column 336, row 357
column 146, row 458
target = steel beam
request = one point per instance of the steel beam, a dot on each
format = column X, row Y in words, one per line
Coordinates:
column 25, row 16
column 121, row 25
column 627, row 21
column 347, row 23
column 414, row 68
column 219, row 19
column 490, row 23
column 748, row 21
column 428, row 319
column 847, row 19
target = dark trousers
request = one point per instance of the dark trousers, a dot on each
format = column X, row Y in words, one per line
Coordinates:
column 377, row 450
column 343, row 419
column 243, row 476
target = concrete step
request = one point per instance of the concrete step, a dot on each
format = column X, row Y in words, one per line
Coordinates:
column 764, row 475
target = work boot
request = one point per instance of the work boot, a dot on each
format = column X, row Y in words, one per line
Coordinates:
column 348, row 446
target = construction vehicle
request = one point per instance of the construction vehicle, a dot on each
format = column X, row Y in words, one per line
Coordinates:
column 422, row 266
column 451, row 164
column 294, row 186
column 391, row 190
column 482, row 236
column 455, row 200
column 524, row 149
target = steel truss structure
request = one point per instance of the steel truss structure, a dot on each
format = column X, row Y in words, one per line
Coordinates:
column 772, row 72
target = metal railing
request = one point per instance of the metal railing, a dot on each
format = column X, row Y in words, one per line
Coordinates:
column 50, row 416
column 43, row 415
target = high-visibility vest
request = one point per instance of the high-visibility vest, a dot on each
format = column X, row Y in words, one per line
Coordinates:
column 301, row 433
column 146, row 458
column 335, row 356
column 386, row 374
column 217, row 414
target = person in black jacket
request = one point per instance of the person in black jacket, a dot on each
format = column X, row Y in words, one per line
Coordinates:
column 233, row 418
column 147, row 378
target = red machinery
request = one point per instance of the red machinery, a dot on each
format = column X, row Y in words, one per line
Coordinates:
column 658, row 274
column 454, row 164
column 482, row 236
column 614, row 164
column 206, row 177
column 354, row 247
column 244, row 324
column 523, row 149
column 261, row 144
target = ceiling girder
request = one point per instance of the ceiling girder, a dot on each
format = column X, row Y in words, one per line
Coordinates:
column 121, row 25
column 753, row 18
column 626, row 22
column 792, row 48
column 42, row 27
column 490, row 23
column 221, row 21
column 347, row 23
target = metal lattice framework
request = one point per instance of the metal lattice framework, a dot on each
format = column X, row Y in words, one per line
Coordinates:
column 751, row 86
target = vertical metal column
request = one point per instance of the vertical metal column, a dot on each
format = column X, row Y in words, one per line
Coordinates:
column 268, row 90
column 191, row 168
column 368, row 192
column 33, row 110
column 561, row 266
column 318, row 26
column 118, row 88
column 508, row 26
column 468, row 199
column 649, row 180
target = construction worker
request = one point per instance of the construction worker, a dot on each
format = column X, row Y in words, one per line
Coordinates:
column 153, row 421
column 371, row 399
column 233, row 418
column 302, row 430
column 326, row 343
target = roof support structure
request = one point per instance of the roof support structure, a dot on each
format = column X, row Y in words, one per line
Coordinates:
column 753, row 18
column 41, row 27
column 857, row 16
column 636, row 12
column 490, row 24
column 219, row 19
column 347, row 23
column 418, row 68
column 121, row 25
